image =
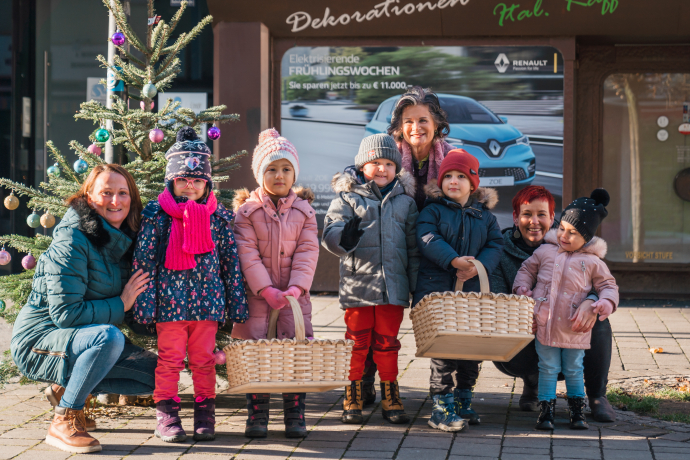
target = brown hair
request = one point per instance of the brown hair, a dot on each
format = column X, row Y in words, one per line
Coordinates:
column 135, row 208
column 419, row 96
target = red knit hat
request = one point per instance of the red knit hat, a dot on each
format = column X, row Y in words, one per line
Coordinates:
column 463, row 161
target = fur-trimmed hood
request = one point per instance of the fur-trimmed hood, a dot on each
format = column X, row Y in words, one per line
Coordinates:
column 596, row 246
column 347, row 181
column 243, row 194
column 90, row 223
column 484, row 195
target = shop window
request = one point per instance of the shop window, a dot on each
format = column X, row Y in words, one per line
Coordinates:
column 646, row 166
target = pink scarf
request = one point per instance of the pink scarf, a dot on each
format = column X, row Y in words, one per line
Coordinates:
column 191, row 230
column 437, row 153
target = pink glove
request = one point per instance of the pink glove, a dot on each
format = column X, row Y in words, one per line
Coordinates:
column 274, row 297
column 293, row 291
column 603, row 307
column 523, row 291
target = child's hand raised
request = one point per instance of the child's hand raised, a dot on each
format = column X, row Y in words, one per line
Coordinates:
column 522, row 290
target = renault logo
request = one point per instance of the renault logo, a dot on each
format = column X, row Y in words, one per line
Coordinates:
column 502, row 63
column 495, row 148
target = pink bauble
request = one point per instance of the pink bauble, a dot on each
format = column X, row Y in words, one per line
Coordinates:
column 156, row 135
column 94, row 149
column 29, row 262
column 213, row 133
column 219, row 356
column 5, row 257
column 143, row 106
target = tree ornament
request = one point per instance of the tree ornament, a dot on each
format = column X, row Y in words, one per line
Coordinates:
column 102, row 135
column 149, row 90
column 2, row 305
column 12, row 202
column 143, row 106
column 156, row 135
column 5, row 257
column 213, row 133
column 219, row 357
column 47, row 220
column 54, row 170
column 118, row 38
column 34, row 220
column 94, row 149
column 80, row 166
column 28, row 262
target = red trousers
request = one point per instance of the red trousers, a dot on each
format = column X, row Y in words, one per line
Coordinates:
column 377, row 326
column 176, row 339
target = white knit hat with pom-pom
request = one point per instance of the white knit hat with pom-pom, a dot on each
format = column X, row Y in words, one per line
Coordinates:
column 272, row 146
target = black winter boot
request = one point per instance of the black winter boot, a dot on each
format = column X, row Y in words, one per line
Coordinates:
column 602, row 411
column 352, row 404
column 576, row 407
column 293, row 415
column 546, row 415
column 529, row 400
column 368, row 392
column 257, row 422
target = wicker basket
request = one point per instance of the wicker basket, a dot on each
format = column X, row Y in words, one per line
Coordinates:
column 472, row 325
column 288, row 365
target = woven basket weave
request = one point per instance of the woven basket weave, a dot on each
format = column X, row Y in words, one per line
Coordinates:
column 288, row 365
column 472, row 325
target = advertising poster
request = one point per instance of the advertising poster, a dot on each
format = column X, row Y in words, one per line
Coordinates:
column 504, row 106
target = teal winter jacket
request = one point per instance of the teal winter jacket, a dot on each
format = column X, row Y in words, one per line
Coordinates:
column 78, row 282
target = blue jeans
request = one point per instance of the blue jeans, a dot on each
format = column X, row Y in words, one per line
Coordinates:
column 554, row 360
column 102, row 361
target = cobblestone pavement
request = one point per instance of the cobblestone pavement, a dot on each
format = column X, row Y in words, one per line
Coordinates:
column 505, row 431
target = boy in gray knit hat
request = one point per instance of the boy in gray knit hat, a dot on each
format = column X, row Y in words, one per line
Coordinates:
column 371, row 226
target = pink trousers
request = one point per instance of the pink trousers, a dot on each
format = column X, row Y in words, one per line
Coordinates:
column 176, row 339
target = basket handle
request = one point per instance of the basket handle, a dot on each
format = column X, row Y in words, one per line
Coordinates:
column 483, row 278
column 299, row 320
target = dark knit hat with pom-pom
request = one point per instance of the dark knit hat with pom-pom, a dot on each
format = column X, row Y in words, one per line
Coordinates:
column 585, row 214
column 188, row 157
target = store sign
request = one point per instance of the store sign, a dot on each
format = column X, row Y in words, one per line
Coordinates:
column 95, row 90
column 333, row 97
column 684, row 129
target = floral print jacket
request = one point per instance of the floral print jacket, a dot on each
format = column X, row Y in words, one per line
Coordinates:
column 211, row 291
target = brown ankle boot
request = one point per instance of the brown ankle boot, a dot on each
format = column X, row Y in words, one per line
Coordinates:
column 67, row 432
column 54, row 394
column 352, row 404
column 392, row 407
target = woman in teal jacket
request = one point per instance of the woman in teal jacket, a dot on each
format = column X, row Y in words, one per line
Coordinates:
column 66, row 333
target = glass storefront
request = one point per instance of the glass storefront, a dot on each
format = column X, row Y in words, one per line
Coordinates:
column 646, row 161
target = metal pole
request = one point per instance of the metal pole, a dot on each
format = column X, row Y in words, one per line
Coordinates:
column 109, row 155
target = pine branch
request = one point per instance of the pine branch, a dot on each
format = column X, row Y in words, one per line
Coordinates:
column 115, row 7
column 21, row 189
column 62, row 163
column 177, row 16
column 34, row 246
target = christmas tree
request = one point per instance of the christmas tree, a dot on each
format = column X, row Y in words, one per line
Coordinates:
column 146, row 136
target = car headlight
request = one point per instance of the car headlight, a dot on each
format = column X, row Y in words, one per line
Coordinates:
column 524, row 140
column 453, row 141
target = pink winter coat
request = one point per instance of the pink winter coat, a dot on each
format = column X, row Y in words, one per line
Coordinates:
column 279, row 248
column 563, row 281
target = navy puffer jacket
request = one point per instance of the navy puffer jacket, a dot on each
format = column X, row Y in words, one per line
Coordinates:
column 446, row 230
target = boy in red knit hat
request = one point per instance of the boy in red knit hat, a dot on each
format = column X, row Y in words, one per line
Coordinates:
column 456, row 225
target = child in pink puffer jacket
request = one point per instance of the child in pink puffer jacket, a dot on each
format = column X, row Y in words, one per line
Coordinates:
column 276, row 233
column 559, row 276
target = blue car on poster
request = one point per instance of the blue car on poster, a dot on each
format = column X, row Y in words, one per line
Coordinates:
column 505, row 156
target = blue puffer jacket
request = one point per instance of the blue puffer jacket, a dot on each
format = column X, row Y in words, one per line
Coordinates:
column 446, row 230
column 77, row 282
column 211, row 291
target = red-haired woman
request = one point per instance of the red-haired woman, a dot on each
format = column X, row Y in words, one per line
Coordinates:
column 533, row 216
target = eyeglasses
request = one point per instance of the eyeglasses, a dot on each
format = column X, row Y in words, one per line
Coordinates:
column 185, row 182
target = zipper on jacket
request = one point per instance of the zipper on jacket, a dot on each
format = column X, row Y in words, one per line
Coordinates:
column 50, row 353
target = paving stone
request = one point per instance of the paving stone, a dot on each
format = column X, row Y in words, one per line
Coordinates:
column 461, row 447
column 614, row 454
column 428, row 442
column 10, row 451
column 569, row 452
column 524, row 451
column 373, row 444
column 524, row 457
column 368, row 454
column 300, row 453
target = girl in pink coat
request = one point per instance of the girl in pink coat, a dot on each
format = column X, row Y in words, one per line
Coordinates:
column 276, row 233
column 559, row 276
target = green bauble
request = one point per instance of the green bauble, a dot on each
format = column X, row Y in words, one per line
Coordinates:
column 149, row 90
column 54, row 170
column 34, row 220
column 102, row 135
column 2, row 305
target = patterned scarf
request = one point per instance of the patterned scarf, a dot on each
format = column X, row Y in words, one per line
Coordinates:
column 437, row 153
column 190, row 233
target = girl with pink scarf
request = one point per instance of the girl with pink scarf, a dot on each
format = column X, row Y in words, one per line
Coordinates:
column 187, row 246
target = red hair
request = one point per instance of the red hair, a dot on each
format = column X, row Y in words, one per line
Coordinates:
column 531, row 193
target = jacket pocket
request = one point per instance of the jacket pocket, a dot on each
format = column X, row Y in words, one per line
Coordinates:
column 541, row 307
column 60, row 354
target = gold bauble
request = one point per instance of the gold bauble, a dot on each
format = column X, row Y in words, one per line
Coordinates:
column 12, row 202
column 47, row 220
